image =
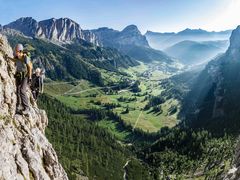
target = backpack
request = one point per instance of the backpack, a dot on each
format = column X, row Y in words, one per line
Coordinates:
column 27, row 53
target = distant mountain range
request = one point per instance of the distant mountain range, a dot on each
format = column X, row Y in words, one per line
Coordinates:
column 190, row 46
column 215, row 105
column 164, row 40
column 184, row 45
column 193, row 52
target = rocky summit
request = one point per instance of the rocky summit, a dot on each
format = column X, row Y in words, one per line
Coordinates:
column 63, row 30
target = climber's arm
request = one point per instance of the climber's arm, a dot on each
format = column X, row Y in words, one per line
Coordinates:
column 29, row 67
column 9, row 58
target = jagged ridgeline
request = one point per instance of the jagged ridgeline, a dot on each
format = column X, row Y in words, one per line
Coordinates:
column 78, row 60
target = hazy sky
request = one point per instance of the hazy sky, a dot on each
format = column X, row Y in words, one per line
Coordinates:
column 154, row 15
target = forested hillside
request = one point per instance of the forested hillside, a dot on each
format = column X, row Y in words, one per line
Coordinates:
column 83, row 145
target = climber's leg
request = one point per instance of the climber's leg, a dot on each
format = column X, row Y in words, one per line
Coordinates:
column 23, row 93
column 18, row 88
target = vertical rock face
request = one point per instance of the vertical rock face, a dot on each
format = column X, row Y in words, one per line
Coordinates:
column 25, row 152
column 234, row 52
column 234, row 48
column 62, row 29
column 131, row 35
column 235, row 38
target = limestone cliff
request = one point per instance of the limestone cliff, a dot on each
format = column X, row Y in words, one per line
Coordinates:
column 25, row 152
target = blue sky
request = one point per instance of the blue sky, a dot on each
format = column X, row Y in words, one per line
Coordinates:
column 154, row 15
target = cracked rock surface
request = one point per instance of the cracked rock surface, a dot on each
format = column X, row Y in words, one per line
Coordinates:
column 25, row 152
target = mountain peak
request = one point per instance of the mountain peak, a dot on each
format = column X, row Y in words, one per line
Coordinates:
column 189, row 31
column 132, row 35
column 152, row 33
column 24, row 19
column 131, row 28
column 104, row 29
column 26, row 25
column 60, row 23
column 234, row 47
column 65, row 19
column 62, row 29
